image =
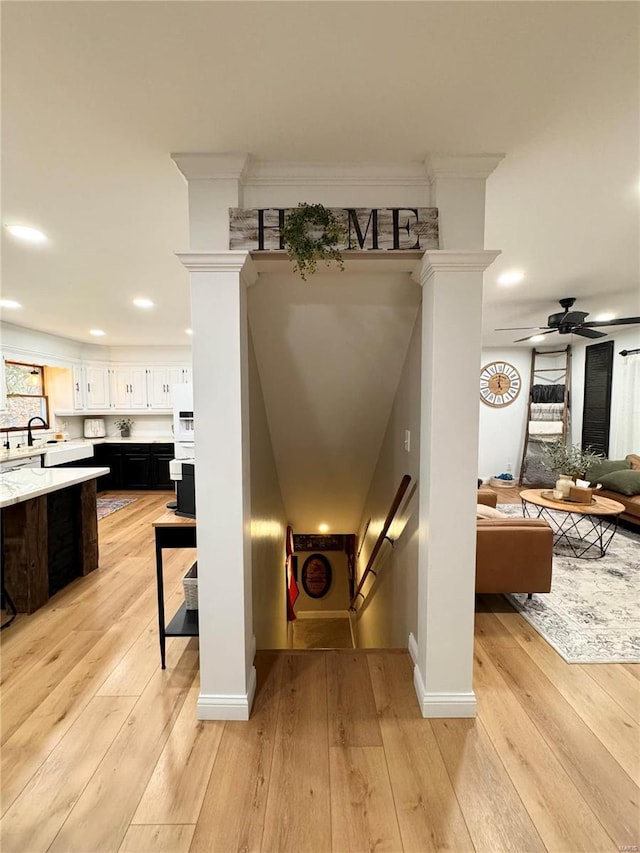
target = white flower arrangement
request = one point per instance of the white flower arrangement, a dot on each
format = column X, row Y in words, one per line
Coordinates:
column 124, row 423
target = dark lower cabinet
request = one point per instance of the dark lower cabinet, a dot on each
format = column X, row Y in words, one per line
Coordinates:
column 134, row 466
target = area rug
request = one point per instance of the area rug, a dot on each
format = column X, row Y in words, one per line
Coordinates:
column 592, row 614
column 108, row 505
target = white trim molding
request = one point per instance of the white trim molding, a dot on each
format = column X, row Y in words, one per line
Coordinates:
column 439, row 705
column 212, row 167
column 435, row 260
column 478, row 166
column 235, row 260
column 228, row 706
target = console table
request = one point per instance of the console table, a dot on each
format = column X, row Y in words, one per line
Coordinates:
column 173, row 531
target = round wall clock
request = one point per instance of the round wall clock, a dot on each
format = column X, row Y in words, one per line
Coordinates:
column 500, row 383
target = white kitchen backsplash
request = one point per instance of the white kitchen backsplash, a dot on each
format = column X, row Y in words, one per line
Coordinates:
column 143, row 425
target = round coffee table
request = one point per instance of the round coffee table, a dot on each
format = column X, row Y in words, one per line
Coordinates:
column 585, row 529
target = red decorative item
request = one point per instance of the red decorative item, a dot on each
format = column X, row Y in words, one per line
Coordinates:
column 292, row 584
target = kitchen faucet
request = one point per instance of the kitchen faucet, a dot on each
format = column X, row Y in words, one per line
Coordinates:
column 29, row 434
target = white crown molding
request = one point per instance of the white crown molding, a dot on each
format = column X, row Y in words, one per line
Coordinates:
column 478, row 166
column 228, row 706
column 289, row 173
column 212, row 167
column 444, row 260
column 439, row 705
column 375, row 262
column 238, row 261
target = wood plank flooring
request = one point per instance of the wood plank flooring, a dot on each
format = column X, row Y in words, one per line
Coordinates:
column 101, row 750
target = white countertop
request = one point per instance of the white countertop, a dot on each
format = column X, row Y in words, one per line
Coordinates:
column 40, row 449
column 28, row 483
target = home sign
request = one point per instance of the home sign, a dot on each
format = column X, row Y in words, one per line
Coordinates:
column 365, row 228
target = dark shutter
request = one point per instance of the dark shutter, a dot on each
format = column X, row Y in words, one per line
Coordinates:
column 596, row 413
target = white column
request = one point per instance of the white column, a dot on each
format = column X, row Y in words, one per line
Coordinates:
column 215, row 185
column 223, row 485
column 451, row 351
column 458, row 191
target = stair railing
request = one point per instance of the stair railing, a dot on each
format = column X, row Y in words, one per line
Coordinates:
column 393, row 509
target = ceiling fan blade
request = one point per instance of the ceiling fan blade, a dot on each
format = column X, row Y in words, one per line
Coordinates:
column 519, row 328
column 528, row 338
column 588, row 333
column 623, row 321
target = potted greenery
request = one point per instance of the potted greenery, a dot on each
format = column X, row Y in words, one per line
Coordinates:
column 124, row 425
column 568, row 459
column 312, row 233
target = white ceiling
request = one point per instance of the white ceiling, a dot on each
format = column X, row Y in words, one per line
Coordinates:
column 95, row 96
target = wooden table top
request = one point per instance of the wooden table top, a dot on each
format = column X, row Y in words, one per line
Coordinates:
column 170, row 519
column 599, row 506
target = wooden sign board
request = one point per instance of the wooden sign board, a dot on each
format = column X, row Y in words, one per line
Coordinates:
column 316, row 576
column 365, row 228
column 318, row 542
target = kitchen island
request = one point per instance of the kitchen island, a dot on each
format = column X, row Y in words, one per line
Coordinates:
column 49, row 531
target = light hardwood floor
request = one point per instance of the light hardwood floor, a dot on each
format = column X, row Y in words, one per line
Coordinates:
column 101, row 750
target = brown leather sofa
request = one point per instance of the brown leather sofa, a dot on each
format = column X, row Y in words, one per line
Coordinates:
column 512, row 554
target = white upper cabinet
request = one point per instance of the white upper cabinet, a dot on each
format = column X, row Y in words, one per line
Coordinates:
column 96, row 384
column 158, row 388
column 78, row 386
column 128, row 388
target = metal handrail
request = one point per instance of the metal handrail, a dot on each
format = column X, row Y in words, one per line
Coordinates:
column 402, row 488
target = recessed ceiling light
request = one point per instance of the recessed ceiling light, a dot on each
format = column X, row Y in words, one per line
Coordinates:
column 604, row 318
column 535, row 339
column 143, row 303
column 97, row 333
column 9, row 303
column 511, row 277
column 29, row 235
column 323, row 528
column 189, row 331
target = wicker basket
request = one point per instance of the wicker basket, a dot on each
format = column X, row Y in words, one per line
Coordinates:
column 190, row 584
column 502, row 484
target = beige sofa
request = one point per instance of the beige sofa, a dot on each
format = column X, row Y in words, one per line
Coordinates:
column 512, row 554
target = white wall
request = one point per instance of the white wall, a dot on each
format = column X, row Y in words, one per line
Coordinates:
column 391, row 612
column 268, row 525
column 502, row 429
column 625, row 399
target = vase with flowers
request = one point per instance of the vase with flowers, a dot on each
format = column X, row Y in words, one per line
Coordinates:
column 124, row 425
column 567, row 462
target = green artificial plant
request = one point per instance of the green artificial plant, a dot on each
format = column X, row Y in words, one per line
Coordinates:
column 571, row 459
column 312, row 233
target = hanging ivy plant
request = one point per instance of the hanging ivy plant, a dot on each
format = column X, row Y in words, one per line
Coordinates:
column 312, row 233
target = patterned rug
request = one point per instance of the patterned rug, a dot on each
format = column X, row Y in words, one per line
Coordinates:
column 592, row 614
column 108, row 505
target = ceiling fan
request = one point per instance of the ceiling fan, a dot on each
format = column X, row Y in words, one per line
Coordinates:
column 567, row 322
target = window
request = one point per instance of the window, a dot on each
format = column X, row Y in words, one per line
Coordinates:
column 26, row 396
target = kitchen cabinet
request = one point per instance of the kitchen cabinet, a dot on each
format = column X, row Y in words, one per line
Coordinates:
column 96, row 384
column 128, row 388
column 78, row 387
column 159, row 383
column 134, row 466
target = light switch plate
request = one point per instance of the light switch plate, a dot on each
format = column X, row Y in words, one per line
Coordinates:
column 407, row 440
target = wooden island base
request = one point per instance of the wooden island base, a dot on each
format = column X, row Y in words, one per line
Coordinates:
column 47, row 542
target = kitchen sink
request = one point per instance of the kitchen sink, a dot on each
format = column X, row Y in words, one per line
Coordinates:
column 59, row 455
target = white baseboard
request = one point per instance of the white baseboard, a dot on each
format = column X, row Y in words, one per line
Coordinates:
column 450, row 705
column 323, row 614
column 413, row 649
column 228, row 706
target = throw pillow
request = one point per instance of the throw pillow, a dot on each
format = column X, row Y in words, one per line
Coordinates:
column 625, row 482
column 489, row 512
column 634, row 459
column 606, row 466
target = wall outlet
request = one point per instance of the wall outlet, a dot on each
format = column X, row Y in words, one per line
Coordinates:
column 407, row 440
